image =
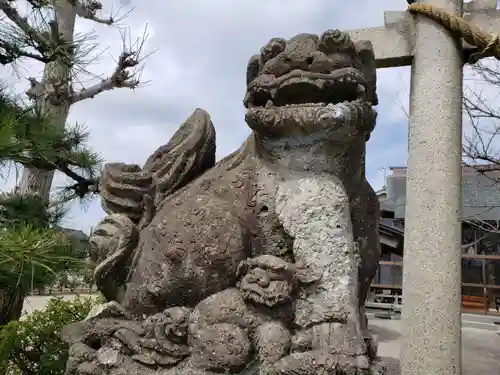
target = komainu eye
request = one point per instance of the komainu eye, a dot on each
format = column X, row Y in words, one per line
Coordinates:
column 272, row 49
column 335, row 41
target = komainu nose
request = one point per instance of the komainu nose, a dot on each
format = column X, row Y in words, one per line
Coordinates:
column 306, row 60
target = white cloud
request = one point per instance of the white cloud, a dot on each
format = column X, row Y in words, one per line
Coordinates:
column 203, row 48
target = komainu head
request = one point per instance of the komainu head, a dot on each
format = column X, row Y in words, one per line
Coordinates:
column 311, row 83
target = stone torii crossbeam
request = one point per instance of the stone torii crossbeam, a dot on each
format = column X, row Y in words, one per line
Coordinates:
column 432, row 258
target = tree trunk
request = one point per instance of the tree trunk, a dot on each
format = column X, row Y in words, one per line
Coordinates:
column 11, row 304
column 34, row 181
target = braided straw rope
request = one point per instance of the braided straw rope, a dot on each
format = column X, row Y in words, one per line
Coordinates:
column 487, row 44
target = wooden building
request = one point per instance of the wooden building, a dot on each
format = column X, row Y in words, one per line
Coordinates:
column 480, row 237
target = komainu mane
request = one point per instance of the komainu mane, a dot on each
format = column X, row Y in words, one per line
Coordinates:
column 260, row 263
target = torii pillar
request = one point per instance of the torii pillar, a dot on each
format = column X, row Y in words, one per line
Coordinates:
column 431, row 319
column 431, row 325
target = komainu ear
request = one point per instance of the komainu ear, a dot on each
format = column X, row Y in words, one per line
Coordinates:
column 253, row 68
column 367, row 57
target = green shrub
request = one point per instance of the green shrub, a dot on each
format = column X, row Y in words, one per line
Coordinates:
column 33, row 345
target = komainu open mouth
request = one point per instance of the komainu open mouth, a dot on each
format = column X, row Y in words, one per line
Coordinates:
column 310, row 88
column 302, row 102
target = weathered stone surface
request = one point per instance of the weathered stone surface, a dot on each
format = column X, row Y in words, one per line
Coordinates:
column 111, row 246
column 221, row 347
column 263, row 262
column 272, row 340
column 107, row 310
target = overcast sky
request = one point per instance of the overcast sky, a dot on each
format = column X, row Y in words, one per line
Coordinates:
column 203, row 48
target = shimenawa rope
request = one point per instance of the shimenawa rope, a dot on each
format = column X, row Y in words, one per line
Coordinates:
column 487, row 44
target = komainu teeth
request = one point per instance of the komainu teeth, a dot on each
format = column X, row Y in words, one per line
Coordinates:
column 269, row 104
column 360, row 89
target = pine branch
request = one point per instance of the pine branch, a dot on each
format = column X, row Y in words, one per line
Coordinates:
column 83, row 186
column 31, row 256
column 12, row 52
column 21, row 22
column 25, row 138
column 18, row 37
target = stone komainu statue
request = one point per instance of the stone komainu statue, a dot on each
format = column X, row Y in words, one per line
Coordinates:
column 260, row 263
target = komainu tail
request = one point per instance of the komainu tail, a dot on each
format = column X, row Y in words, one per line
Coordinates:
column 137, row 192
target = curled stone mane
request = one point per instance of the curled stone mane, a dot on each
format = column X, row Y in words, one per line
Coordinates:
column 111, row 245
column 136, row 191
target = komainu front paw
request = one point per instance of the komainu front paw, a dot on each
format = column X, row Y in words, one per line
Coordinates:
column 318, row 362
column 332, row 337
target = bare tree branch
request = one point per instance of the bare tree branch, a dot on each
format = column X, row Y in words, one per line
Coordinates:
column 489, row 227
column 473, row 224
column 88, row 9
column 126, row 73
column 120, row 78
column 481, row 148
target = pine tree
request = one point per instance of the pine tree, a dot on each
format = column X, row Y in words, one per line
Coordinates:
column 54, row 43
column 37, row 138
column 32, row 249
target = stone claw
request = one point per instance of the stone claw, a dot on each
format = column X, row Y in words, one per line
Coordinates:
column 314, row 362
